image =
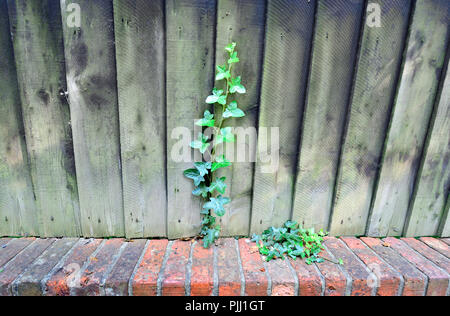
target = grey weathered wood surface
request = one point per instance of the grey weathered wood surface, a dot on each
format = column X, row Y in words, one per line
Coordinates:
column 363, row 129
column 374, row 89
column 140, row 53
column 444, row 227
column 289, row 33
column 190, row 74
column 416, row 94
column 18, row 214
column 92, row 88
column 241, row 21
column 39, row 54
column 432, row 183
column 336, row 38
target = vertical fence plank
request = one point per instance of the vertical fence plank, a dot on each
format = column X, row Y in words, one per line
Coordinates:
column 334, row 54
column 286, row 61
column 18, row 214
column 374, row 89
column 38, row 48
column 190, row 73
column 424, row 59
column 91, row 80
column 444, row 227
column 139, row 33
column 242, row 21
column 433, row 180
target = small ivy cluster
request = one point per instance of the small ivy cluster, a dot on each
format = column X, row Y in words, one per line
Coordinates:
column 207, row 185
column 291, row 240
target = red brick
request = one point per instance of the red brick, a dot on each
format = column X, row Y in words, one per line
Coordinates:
column 145, row 281
column 13, row 248
column 437, row 278
column 446, row 241
column 335, row 279
column 202, row 272
column 437, row 245
column 175, row 270
column 389, row 280
column 4, row 241
column 440, row 260
column 61, row 282
column 309, row 279
column 117, row 282
column 356, row 270
column 256, row 282
column 29, row 284
column 228, row 268
column 415, row 282
column 20, row 263
column 283, row 280
column 92, row 277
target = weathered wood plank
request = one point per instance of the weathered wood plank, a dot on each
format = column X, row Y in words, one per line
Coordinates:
column 139, row 33
column 91, row 80
column 335, row 45
column 433, row 180
column 425, row 53
column 444, row 227
column 288, row 43
column 38, row 48
column 374, row 90
column 190, row 74
column 241, row 21
column 18, row 214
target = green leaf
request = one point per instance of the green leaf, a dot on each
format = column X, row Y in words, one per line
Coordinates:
column 341, row 262
column 225, row 136
column 203, row 167
column 233, row 111
column 202, row 190
column 216, row 97
column 194, row 174
column 207, row 120
column 200, row 144
column 221, row 162
column 219, row 185
column 230, row 47
column 210, row 236
column 233, row 58
column 236, row 86
column 216, row 204
column 222, row 73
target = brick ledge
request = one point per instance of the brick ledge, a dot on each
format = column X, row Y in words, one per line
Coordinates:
column 81, row 267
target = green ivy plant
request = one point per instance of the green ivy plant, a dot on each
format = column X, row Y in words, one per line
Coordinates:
column 293, row 241
column 207, row 185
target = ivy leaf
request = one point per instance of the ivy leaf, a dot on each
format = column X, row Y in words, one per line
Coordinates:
column 194, row 174
column 216, row 97
column 202, row 190
column 225, row 136
column 203, row 167
column 233, row 111
column 233, row 58
column 200, row 144
column 216, row 204
column 291, row 224
column 219, row 185
column 210, row 236
column 221, row 162
column 207, row 120
column 230, row 47
column 236, row 86
column 222, row 73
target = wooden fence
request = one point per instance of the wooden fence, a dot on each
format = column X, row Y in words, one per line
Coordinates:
column 87, row 114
